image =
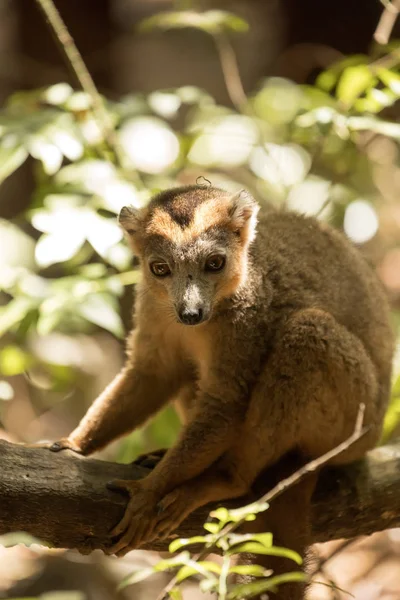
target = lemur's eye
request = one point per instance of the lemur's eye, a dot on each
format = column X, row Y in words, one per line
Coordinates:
column 216, row 262
column 160, row 269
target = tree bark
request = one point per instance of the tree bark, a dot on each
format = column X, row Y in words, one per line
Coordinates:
column 63, row 499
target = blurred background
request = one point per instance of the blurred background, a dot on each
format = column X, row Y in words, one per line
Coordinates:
column 296, row 101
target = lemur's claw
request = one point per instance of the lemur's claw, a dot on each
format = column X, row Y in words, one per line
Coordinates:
column 56, row 447
column 64, row 444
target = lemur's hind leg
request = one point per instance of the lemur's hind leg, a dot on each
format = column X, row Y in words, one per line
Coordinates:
column 308, row 399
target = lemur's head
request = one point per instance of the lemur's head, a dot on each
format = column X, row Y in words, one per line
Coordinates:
column 193, row 244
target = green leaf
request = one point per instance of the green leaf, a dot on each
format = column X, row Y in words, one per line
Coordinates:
column 170, row 563
column 59, row 247
column 135, row 577
column 99, row 309
column 175, row 594
column 13, row 361
column 253, row 570
column 248, row 590
column 180, row 543
column 14, row 312
column 256, row 548
column 391, row 79
column 370, row 123
column 57, row 94
column 10, row 160
column 49, row 321
column 197, row 568
column 328, row 79
column 392, row 419
column 49, row 154
column 213, row 21
column 236, row 514
column 212, row 527
column 353, row 82
column 265, row 539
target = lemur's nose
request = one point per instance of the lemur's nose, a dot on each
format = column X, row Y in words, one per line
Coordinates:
column 191, row 316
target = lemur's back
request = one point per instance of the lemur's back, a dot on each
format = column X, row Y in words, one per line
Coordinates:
column 312, row 265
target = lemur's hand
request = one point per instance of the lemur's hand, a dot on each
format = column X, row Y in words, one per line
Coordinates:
column 140, row 519
column 149, row 515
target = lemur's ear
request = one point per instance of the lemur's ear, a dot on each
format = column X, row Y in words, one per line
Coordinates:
column 243, row 213
column 129, row 219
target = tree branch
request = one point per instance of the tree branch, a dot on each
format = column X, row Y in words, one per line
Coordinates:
column 387, row 21
column 63, row 499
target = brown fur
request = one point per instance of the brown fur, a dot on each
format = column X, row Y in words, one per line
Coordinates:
column 297, row 337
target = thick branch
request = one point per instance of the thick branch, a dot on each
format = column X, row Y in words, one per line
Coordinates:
column 63, row 499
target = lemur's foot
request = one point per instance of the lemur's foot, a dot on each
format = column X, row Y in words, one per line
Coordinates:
column 62, row 444
column 65, row 444
column 150, row 460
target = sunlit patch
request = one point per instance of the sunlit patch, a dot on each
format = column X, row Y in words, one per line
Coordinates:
column 280, row 165
column 67, row 227
column 117, row 194
column 309, row 196
column 6, row 391
column 150, row 145
column 165, row 104
column 278, row 101
column 49, row 154
column 68, row 144
column 360, row 221
column 16, row 250
column 58, row 94
column 228, row 142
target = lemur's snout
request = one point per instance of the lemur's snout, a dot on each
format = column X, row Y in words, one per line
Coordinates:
column 191, row 316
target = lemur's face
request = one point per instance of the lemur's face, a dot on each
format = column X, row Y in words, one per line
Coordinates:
column 193, row 245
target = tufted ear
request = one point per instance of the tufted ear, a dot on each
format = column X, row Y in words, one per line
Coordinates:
column 243, row 212
column 129, row 219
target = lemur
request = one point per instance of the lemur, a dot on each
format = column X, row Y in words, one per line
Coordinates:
column 267, row 329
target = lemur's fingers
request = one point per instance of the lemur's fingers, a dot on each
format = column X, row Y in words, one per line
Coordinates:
column 173, row 509
column 120, row 485
column 140, row 518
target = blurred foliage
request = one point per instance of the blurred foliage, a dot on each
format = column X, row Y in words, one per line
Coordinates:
column 216, row 578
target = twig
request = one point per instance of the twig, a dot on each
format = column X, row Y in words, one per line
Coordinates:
column 285, row 484
column 230, row 71
column 387, row 21
column 79, row 69
column 310, row 467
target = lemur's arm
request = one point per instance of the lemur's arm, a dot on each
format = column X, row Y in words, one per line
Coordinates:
column 137, row 392
column 202, row 441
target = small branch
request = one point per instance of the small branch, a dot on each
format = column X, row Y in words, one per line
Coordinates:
column 310, row 467
column 79, row 69
column 387, row 21
column 230, row 71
